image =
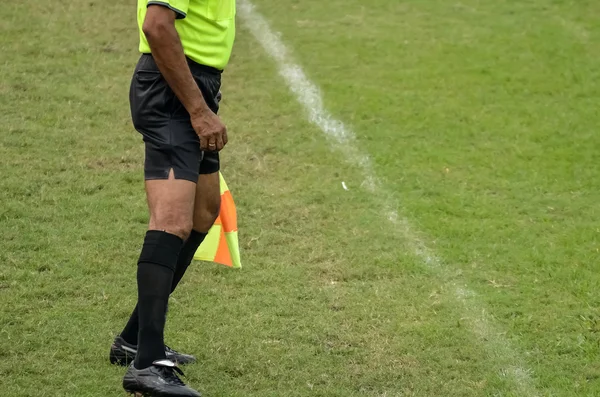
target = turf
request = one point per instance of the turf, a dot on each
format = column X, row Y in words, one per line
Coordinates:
column 480, row 117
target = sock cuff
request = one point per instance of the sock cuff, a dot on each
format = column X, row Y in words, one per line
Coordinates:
column 162, row 236
column 161, row 248
column 197, row 236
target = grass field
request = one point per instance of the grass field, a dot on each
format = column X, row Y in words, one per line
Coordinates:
column 481, row 120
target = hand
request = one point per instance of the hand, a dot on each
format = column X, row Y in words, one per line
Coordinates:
column 211, row 131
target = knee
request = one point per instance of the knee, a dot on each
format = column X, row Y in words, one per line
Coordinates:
column 179, row 226
column 181, row 230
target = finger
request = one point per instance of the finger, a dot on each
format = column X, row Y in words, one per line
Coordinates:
column 212, row 144
column 203, row 143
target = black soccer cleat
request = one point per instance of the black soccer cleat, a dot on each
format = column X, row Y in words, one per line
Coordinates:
column 123, row 353
column 158, row 380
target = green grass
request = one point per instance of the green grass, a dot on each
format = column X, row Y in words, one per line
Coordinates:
column 480, row 117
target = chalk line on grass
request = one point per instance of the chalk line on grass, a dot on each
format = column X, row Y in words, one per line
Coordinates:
column 343, row 140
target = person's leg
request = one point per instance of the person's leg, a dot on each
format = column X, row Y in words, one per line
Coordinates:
column 171, row 204
column 172, row 154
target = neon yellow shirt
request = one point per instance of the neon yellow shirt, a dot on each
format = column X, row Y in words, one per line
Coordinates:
column 206, row 28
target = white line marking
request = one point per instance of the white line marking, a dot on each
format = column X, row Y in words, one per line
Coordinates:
column 342, row 139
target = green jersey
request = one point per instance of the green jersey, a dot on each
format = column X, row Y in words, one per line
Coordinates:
column 206, row 28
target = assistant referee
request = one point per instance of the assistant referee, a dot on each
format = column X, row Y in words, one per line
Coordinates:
column 174, row 98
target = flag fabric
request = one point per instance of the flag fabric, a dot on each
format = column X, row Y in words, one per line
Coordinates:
column 221, row 245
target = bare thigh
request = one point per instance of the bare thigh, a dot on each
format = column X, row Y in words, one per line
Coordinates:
column 171, row 205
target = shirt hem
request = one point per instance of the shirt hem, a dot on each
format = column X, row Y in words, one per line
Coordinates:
column 180, row 14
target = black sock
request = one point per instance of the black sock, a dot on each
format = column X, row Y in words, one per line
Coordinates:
column 130, row 332
column 186, row 256
column 156, row 267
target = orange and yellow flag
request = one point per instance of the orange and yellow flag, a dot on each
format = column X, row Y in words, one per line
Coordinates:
column 221, row 245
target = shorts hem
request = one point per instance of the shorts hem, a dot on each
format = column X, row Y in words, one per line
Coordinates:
column 178, row 173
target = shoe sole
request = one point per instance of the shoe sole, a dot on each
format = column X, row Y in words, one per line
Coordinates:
column 141, row 394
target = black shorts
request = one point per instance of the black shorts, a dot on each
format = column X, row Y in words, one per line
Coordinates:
column 157, row 113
